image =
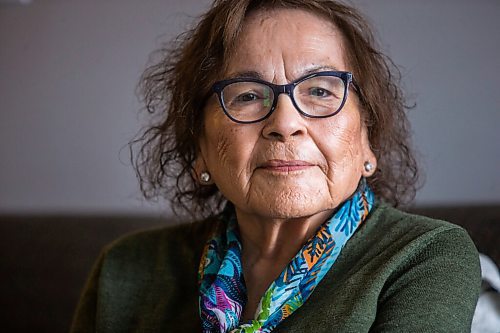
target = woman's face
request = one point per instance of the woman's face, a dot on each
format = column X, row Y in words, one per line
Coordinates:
column 286, row 166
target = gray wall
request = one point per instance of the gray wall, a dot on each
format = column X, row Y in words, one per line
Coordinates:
column 68, row 71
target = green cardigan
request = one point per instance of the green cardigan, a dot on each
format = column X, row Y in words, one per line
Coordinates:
column 398, row 273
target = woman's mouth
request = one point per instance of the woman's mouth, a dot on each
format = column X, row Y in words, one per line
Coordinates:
column 285, row 165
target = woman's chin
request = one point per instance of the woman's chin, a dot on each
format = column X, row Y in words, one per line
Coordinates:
column 290, row 205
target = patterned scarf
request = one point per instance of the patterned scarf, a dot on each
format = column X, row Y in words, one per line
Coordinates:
column 223, row 292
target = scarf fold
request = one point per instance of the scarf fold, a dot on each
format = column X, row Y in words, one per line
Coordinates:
column 223, row 293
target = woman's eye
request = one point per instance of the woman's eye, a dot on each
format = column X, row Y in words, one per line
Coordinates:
column 248, row 97
column 319, row 92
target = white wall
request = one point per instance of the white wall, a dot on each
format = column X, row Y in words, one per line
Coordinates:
column 68, row 71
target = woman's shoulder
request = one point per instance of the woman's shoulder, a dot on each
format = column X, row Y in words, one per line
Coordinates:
column 141, row 278
column 408, row 238
column 387, row 219
column 427, row 264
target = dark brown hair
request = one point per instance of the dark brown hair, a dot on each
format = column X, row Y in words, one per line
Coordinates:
column 175, row 87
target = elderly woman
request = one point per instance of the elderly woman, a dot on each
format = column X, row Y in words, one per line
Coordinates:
column 282, row 124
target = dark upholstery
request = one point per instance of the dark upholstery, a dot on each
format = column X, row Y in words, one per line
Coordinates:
column 44, row 261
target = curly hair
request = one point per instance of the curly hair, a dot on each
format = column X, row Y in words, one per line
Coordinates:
column 175, row 88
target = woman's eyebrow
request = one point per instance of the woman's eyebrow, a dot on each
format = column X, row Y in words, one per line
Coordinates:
column 258, row 75
column 247, row 74
column 316, row 69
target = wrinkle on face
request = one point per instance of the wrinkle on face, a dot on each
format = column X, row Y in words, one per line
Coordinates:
column 225, row 155
column 223, row 148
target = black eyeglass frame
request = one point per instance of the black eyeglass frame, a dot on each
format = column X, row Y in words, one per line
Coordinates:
column 288, row 89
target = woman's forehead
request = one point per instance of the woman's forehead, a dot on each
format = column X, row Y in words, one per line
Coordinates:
column 286, row 41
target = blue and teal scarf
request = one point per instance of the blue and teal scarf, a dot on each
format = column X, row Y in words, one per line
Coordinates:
column 223, row 293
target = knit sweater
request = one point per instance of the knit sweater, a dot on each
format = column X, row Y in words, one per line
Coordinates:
column 398, row 273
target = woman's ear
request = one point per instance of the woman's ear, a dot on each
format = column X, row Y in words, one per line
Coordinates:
column 369, row 159
column 202, row 175
column 200, row 168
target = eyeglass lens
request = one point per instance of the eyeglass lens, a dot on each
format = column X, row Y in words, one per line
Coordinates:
column 317, row 96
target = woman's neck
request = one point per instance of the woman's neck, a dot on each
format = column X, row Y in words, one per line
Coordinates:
column 274, row 239
column 268, row 245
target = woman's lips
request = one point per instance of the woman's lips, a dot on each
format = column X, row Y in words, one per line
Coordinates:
column 285, row 166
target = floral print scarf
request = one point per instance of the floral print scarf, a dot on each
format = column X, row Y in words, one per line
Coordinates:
column 223, row 293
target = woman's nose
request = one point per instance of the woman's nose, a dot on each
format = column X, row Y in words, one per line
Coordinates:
column 285, row 122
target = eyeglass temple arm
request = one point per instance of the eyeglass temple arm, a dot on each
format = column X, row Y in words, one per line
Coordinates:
column 357, row 90
column 355, row 87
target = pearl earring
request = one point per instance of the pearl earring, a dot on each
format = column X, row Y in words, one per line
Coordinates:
column 205, row 177
column 368, row 166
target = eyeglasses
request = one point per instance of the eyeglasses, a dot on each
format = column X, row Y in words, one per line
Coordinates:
column 317, row 95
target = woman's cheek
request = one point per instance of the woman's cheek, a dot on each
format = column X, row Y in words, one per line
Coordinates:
column 342, row 152
column 233, row 149
column 223, row 147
